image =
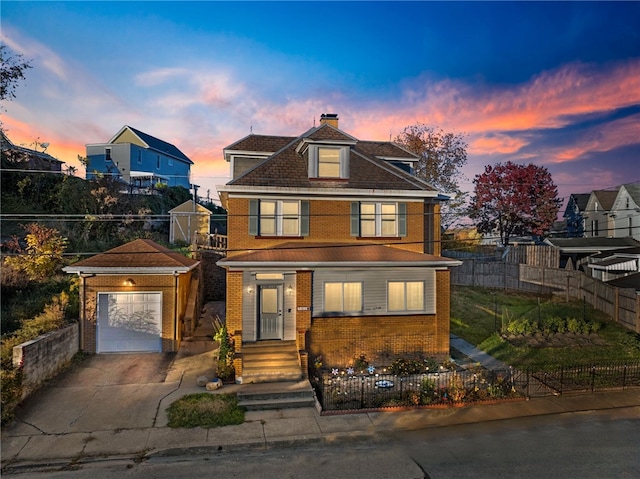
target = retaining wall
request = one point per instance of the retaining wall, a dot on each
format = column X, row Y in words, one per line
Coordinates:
column 43, row 357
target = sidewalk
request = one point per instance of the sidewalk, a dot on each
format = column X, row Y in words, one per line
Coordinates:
column 22, row 445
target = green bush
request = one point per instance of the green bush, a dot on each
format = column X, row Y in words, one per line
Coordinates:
column 428, row 391
column 574, row 325
column 226, row 354
column 361, row 364
column 52, row 318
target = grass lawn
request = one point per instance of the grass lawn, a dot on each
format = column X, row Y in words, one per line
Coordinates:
column 205, row 410
column 478, row 315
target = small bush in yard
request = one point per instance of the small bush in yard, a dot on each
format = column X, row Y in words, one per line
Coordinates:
column 205, row 410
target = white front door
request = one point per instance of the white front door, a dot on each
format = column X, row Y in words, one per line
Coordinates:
column 270, row 317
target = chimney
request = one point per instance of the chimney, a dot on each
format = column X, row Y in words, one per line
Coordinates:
column 329, row 119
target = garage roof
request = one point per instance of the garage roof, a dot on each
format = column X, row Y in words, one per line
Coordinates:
column 139, row 256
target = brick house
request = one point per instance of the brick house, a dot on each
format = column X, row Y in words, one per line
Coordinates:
column 135, row 298
column 333, row 252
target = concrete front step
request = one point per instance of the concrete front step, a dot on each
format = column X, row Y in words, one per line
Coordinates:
column 270, row 361
column 270, row 377
column 280, row 395
column 287, row 403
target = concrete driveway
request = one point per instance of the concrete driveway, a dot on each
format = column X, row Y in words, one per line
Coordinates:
column 100, row 392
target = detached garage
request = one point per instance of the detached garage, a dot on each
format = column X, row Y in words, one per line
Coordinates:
column 134, row 298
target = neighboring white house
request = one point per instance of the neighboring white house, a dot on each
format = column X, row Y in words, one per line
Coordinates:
column 625, row 212
column 597, row 222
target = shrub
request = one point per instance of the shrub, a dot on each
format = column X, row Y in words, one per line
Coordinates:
column 226, row 354
column 50, row 319
column 405, row 367
column 428, row 391
column 573, row 325
column 519, row 326
column 455, row 388
column 361, row 363
column 43, row 253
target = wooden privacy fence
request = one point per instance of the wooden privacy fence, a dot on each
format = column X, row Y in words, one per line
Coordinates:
column 539, row 255
column 623, row 305
column 493, row 274
column 535, row 269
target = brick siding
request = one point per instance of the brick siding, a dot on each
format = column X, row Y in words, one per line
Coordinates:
column 152, row 283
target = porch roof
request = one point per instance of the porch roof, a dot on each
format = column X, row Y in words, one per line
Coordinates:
column 616, row 264
column 309, row 255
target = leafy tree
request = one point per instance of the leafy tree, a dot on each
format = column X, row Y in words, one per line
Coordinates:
column 442, row 156
column 12, row 68
column 514, row 200
column 41, row 256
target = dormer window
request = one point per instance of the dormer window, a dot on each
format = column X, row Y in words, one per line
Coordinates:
column 328, row 161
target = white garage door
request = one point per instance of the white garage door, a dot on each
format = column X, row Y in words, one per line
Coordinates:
column 129, row 322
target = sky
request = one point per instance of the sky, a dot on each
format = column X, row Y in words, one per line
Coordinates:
column 552, row 83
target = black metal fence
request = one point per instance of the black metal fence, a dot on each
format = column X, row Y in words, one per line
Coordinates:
column 348, row 392
column 581, row 378
column 342, row 391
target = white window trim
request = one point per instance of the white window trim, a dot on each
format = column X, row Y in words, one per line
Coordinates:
column 378, row 219
column 405, row 309
column 279, row 218
column 342, row 310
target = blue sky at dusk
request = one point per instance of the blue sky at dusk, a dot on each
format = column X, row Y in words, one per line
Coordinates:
column 551, row 83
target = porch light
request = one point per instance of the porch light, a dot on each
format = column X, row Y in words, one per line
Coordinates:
column 129, row 282
column 249, row 289
column 289, row 289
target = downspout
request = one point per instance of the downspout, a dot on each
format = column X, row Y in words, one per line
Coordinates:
column 83, row 285
column 175, row 310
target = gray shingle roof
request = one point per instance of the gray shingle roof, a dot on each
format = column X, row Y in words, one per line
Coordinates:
column 289, row 168
column 160, row 145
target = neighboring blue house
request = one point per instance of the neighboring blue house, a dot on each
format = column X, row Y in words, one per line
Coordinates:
column 574, row 214
column 139, row 160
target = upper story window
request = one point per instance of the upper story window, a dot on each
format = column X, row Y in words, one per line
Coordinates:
column 278, row 218
column 107, row 154
column 157, row 162
column 170, row 161
column 378, row 219
column 328, row 161
column 139, row 157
